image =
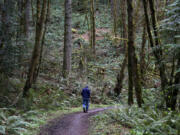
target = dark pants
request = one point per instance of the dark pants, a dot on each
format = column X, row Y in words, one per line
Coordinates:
column 86, row 103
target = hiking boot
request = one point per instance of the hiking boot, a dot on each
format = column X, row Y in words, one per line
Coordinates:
column 84, row 110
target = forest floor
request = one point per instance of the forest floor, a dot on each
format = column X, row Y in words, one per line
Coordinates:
column 71, row 124
column 100, row 32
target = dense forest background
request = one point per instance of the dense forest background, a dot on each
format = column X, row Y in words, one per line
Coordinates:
column 127, row 51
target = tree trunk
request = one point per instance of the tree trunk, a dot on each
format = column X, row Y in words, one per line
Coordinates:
column 120, row 76
column 21, row 7
column 93, row 28
column 137, row 80
column 8, row 57
column 158, row 51
column 27, row 18
column 7, row 13
column 114, row 2
column 137, row 15
column 1, row 35
column 67, row 39
column 148, row 27
column 133, row 68
column 142, row 55
column 32, row 13
column 38, row 10
column 164, row 80
column 42, row 43
column 36, row 51
column 130, row 56
column 176, row 87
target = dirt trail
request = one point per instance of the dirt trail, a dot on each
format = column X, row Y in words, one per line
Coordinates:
column 71, row 124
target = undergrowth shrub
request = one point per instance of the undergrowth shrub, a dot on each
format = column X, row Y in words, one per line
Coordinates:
column 12, row 123
column 151, row 119
column 141, row 122
column 105, row 125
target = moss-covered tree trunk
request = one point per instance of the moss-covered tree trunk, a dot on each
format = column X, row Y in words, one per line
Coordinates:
column 93, row 28
column 132, row 59
column 36, row 73
column 142, row 55
column 120, row 76
column 163, row 76
column 67, row 39
column 36, row 52
column 115, row 18
column 137, row 80
column 158, row 51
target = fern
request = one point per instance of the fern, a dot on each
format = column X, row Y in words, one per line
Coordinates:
column 2, row 130
column 12, row 124
column 147, row 122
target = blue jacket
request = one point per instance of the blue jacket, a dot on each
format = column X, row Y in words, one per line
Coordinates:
column 86, row 92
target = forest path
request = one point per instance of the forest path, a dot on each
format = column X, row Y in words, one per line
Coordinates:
column 71, row 124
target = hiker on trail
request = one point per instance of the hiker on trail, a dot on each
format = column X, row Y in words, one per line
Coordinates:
column 86, row 96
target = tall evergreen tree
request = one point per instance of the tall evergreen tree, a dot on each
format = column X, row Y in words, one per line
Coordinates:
column 67, row 38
